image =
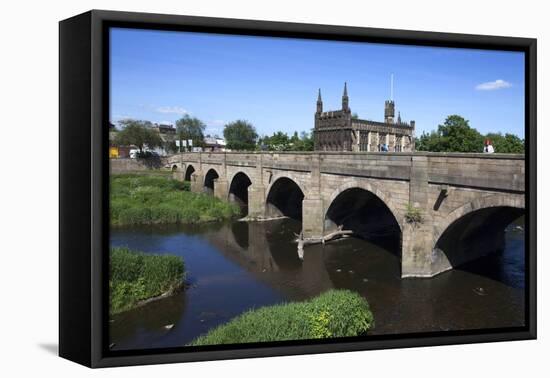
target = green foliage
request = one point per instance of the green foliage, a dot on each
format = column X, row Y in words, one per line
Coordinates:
column 413, row 214
column 136, row 276
column 335, row 313
column 190, row 128
column 170, row 147
column 138, row 133
column 507, row 143
column 240, row 135
column 148, row 199
column 280, row 141
column 455, row 135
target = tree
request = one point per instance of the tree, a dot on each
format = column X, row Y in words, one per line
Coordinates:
column 455, row 135
column 506, row 144
column 171, row 147
column 303, row 143
column 138, row 133
column 190, row 128
column 279, row 141
column 240, row 135
column 354, row 115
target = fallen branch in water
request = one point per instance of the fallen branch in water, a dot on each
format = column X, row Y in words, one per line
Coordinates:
column 328, row 237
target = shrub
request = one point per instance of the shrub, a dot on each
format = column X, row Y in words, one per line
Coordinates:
column 154, row 199
column 136, row 276
column 336, row 313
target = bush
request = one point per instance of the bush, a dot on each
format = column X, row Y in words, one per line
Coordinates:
column 136, row 276
column 336, row 313
column 155, row 199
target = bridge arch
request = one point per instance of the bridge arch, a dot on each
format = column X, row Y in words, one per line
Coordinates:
column 284, row 198
column 189, row 172
column 372, row 188
column 238, row 191
column 364, row 209
column 209, row 179
column 476, row 228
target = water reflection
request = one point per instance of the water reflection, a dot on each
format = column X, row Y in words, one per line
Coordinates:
column 238, row 266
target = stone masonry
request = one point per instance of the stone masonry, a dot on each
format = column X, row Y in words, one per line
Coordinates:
column 444, row 186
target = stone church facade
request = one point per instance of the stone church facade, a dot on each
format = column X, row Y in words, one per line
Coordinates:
column 338, row 131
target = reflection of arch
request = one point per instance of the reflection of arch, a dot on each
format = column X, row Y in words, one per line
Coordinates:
column 476, row 229
column 496, row 200
column 284, row 198
column 238, row 191
column 209, row 179
column 241, row 233
column 188, row 172
column 372, row 188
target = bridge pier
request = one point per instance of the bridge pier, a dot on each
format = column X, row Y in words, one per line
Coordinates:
column 178, row 175
column 256, row 201
column 418, row 257
column 313, row 218
column 221, row 188
column 197, row 182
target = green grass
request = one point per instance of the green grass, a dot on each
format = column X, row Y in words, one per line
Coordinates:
column 136, row 276
column 336, row 313
column 158, row 199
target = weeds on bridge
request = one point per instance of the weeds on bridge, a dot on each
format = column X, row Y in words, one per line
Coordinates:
column 336, row 313
column 413, row 215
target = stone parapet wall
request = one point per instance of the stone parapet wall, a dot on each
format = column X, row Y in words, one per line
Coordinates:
column 118, row 166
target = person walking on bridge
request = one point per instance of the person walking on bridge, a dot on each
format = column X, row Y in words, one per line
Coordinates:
column 488, row 149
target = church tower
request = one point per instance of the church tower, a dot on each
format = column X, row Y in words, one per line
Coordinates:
column 389, row 111
column 345, row 99
column 319, row 103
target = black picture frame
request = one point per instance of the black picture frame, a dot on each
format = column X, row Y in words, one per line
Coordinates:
column 84, row 172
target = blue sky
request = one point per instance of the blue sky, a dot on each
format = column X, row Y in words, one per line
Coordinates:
column 272, row 82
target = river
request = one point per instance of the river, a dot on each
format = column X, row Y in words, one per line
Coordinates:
column 233, row 267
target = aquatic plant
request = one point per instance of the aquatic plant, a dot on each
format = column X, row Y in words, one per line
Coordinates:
column 335, row 313
column 136, row 276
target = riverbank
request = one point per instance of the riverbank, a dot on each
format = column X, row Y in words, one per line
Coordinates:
column 335, row 313
column 144, row 199
column 137, row 278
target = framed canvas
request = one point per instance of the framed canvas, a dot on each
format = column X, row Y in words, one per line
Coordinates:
column 235, row 188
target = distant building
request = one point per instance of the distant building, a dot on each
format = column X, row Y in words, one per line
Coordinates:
column 214, row 144
column 165, row 131
column 338, row 131
column 167, row 134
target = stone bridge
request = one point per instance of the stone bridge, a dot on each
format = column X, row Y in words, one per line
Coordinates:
column 446, row 208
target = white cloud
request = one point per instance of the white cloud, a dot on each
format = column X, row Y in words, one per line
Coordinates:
column 493, row 85
column 171, row 110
